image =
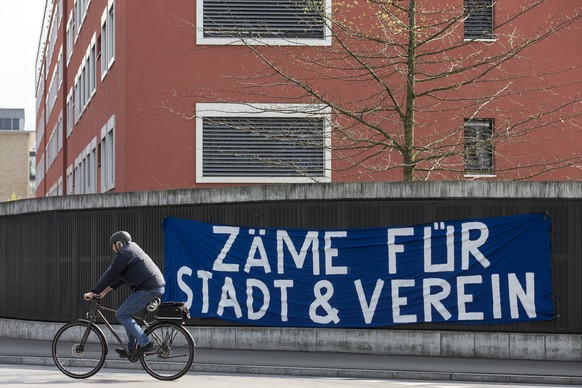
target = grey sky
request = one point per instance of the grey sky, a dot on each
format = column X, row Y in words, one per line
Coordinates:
column 20, row 25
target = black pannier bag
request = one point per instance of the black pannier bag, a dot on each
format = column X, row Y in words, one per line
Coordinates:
column 173, row 311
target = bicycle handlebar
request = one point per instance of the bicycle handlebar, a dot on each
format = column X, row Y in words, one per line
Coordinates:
column 96, row 297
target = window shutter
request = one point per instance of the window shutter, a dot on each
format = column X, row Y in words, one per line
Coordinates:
column 290, row 19
column 478, row 146
column 263, row 147
column 479, row 19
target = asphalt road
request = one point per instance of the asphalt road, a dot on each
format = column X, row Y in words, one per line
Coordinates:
column 36, row 376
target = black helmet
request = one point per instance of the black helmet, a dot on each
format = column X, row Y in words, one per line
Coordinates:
column 121, row 236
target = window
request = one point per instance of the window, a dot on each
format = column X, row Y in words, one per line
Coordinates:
column 103, row 39
column 479, row 146
column 77, row 100
column 289, row 22
column 55, row 84
column 70, row 181
column 107, row 38
column 9, row 124
column 70, row 34
column 479, row 20
column 108, row 155
column 32, row 168
column 40, row 172
column 85, row 81
column 92, row 65
column 70, row 107
column 60, row 132
column 80, row 12
column 262, row 143
column 40, row 130
column 85, row 171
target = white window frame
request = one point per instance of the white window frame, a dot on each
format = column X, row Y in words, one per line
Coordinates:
column 111, row 33
column 70, row 112
column 76, row 100
column 85, row 171
column 92, row 62
column 60, row 132
column 70, row 180
column 108, row 155
column 104, row 44
column 40, row 171
column 107, row 38
column 201, row 40
column 262, row 110
column 70, row 36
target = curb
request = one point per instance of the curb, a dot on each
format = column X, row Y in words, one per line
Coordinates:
column 327, row 372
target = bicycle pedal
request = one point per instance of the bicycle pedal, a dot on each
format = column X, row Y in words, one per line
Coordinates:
column 121, row 352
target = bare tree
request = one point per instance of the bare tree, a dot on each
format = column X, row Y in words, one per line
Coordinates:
column 417, row 94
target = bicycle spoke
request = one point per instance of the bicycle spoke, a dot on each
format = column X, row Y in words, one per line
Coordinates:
column 174, row 353
column 73, row 356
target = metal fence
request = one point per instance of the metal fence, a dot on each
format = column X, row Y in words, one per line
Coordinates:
column 52, row 250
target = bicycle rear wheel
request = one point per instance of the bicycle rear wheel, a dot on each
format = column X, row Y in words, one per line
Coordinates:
column 173, row 354
column 77, row 358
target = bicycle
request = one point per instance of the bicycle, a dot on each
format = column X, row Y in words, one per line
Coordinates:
column 79, row 348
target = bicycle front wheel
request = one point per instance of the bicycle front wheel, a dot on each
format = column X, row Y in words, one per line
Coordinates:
column 173, row 354
column 79, row 350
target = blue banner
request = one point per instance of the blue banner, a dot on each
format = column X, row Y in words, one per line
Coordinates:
column 493, row 270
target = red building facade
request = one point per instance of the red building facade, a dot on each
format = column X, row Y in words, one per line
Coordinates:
column 159, row 95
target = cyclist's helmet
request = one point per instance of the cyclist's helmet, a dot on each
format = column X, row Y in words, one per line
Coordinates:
column 121, row 236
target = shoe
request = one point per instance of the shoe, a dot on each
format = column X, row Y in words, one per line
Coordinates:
column 122, row 352
column 141, row 350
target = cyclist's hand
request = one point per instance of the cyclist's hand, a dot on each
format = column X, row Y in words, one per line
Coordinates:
column 88, row 296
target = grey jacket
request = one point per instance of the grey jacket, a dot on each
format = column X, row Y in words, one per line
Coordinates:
column 131, row 266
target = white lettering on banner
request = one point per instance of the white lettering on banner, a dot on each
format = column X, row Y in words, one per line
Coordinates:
column 252, row 314
column 496, row 296
column 450, row 264
column 434, row 292
column 184, row 286
column 463, row 299
column 257, row 245
column 435, row 300
column 468, row 247
column 205, row 276
column 472, row 246
column 311, row 239
column 228, row 298
column 527, row 298
column 368, row 309
column 330, row 253
column 259, row 257
column 284, row 285
column 219, row 264
column 394, row 248
column 399, row 301
column 321, row 300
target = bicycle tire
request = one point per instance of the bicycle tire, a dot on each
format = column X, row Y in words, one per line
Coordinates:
column 77, row 360
column 174, row 351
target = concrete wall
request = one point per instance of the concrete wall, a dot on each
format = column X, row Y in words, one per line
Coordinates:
column 502, row 345
column 330, row 191
column 386, row 342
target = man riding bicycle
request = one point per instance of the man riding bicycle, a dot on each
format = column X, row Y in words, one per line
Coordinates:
column 131, row 266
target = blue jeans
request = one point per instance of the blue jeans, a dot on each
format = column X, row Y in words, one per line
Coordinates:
column 133, row 305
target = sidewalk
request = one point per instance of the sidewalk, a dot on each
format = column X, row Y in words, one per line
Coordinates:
column 32, row 352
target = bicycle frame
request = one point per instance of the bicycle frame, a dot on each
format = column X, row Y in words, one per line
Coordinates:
column 96, row 313
column 80, row 348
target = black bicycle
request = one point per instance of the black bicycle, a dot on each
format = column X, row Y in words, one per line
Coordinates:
column 79, row 348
